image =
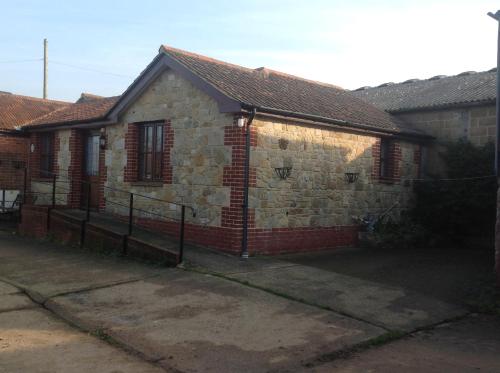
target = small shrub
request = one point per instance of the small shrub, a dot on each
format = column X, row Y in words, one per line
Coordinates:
column 405, row 233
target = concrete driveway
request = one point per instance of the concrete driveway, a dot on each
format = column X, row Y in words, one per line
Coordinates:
column 176, row 319
column 219, row 314
column 452, row 275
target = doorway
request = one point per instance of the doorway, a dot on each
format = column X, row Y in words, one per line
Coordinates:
column 90, row 172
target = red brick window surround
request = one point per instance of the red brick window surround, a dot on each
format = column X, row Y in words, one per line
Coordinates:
column 148, row 146
column 150, row 153
column 387, row 156
column 386, row 160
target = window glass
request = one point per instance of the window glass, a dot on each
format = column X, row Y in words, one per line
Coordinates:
column 46, row 154
column 385, row 158
column 92, row 156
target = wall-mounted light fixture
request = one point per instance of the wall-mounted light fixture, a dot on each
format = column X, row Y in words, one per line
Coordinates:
column 32, row 148
column 283, row 172
column 351, row 177
column 241, row 122
column 102, row 139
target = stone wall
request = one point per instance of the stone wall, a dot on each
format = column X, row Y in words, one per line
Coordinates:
column 197, row 158
column 316, row 194
column 476, row 124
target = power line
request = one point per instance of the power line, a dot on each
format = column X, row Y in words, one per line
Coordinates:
column 19, row 61
column 90, row 69
column 85, row 68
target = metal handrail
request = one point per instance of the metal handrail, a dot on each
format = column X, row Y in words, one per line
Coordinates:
column 117, row 189
column 54, row 179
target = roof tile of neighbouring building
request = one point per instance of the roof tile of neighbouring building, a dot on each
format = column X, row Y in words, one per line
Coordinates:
column 16, row 110
column 88, row 110
column 265, row 88
column 437, row 92
column 84, row 97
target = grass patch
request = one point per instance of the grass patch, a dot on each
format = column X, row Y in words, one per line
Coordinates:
column 101, row 334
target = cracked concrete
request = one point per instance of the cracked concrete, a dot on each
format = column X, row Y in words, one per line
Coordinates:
column 182, row 320
column 33, row 340
column 158, row 319
column 469, row 345
column 386, row 306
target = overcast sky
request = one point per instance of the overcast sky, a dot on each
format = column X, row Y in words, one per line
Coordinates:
column 101, row 46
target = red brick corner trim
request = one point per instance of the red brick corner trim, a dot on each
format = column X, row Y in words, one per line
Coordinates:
column 233, row 177
column 168, row 144
column 131, row 170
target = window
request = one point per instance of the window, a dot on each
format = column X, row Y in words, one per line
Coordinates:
column 92, row 156
column 150, row 151
column 385, row 159
column 46, row 154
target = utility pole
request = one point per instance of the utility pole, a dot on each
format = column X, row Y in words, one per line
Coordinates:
column 45, row 68
column 496, row 16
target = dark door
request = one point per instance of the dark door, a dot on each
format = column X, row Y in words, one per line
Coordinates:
column 91, row 169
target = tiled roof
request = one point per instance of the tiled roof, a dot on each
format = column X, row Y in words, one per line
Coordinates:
column 437, row 92
column 15, row 110
column 265, row 88
column 89, row 110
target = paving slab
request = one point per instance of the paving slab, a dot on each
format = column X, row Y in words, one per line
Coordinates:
column 11, row 302
column 45, row 269
column 469, row 345
column 34, row 341
column 6, row 289
column 12, row 299
column 195, row 322
column 207, row 259
column 387, row 306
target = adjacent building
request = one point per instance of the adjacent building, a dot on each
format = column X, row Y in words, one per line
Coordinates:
column 16, row 110
column 446, row 107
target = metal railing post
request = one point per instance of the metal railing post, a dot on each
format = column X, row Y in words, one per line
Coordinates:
column 181, row 238
column 54, row 179
column 87, row 207
column 130, row 213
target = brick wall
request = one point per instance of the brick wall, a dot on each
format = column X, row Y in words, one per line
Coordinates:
column 290, row 240
column 233, row 177
column 103, row 175
column 13, row 158
column 33, row 221
column 393, row 162
column 75, row 167
column 131, row 169
column 168, row 144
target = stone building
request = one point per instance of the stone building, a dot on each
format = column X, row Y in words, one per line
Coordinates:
column 310, row 158
column 446, row 107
